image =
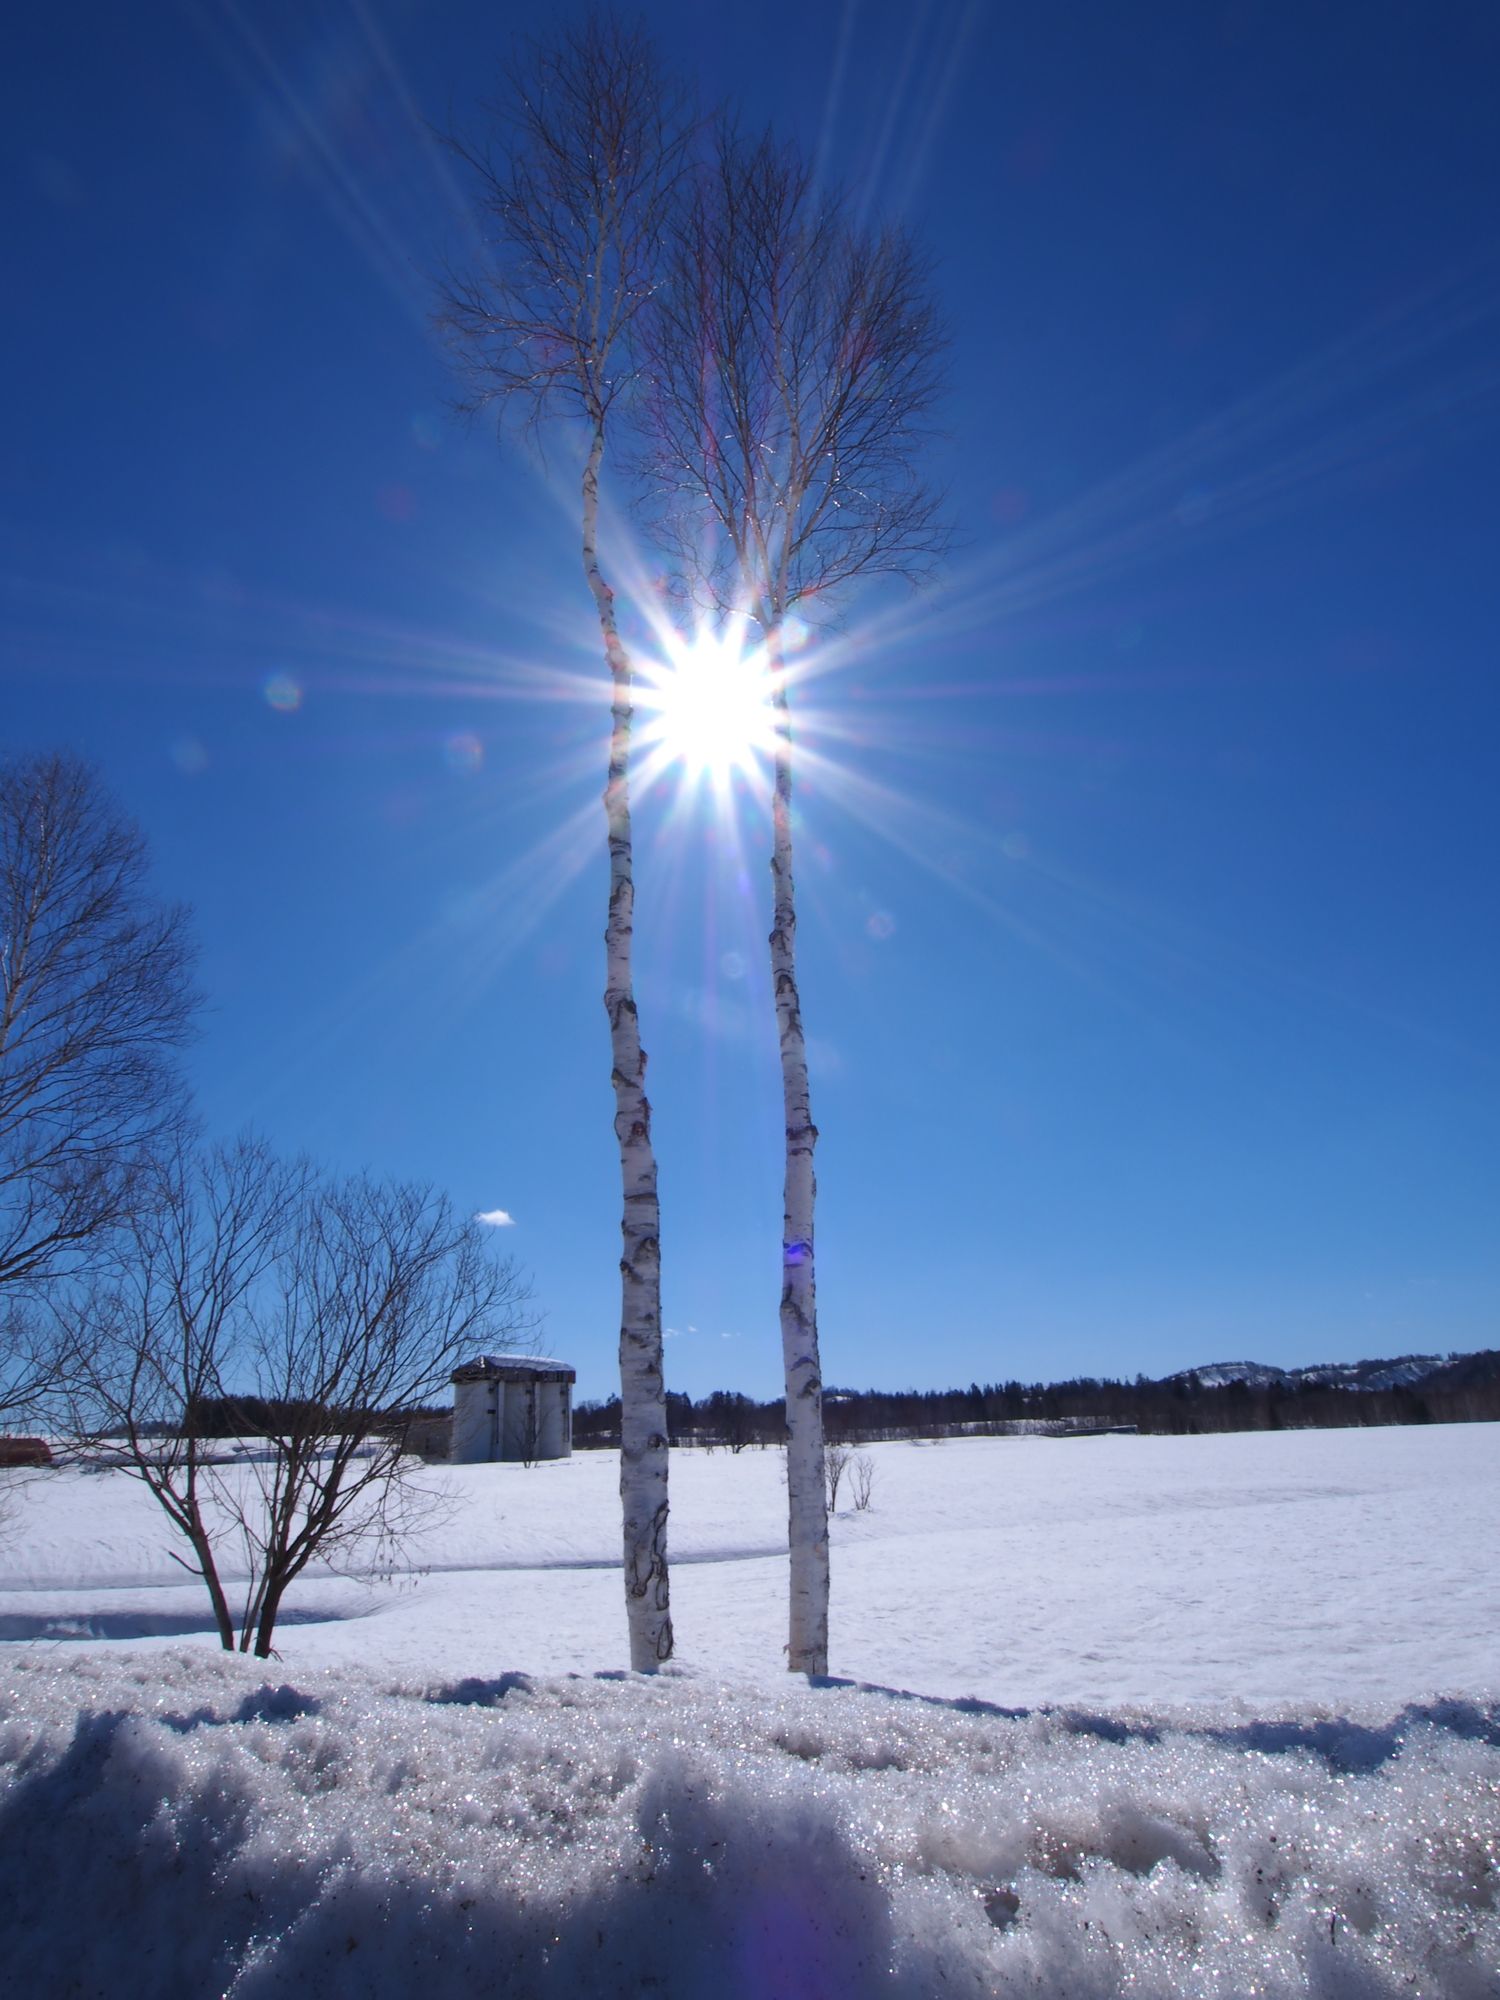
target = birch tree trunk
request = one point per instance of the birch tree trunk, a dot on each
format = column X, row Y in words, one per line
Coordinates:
column 643, row 1406
column 807, row 1504
column 792, row 351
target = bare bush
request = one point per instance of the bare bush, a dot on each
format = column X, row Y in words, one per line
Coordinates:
column 324, row 1312
column 154, row 1337
column 835, row 1461
column 862, row 1480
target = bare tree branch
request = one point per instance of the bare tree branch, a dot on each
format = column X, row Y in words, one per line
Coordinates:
column 573, row 191
column 381, row 1294
column 96, row 999
column 794, row 359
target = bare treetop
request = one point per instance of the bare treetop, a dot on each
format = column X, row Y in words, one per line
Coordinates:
column 573, row 210
column 795, row 356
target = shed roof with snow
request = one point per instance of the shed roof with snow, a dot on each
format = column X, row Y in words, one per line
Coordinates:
column 514, row 1368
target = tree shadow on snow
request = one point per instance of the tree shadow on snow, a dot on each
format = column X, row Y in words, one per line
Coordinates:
column 1346, row 1746
column 63, row 1626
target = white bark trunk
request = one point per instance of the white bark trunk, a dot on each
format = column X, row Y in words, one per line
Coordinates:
column 643, row 1407
column 807, row 1503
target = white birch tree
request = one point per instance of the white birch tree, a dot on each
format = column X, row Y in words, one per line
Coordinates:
column 573, row 208
column 795, row 359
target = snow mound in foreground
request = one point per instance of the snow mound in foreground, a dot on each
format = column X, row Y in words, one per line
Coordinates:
column 171, row 1824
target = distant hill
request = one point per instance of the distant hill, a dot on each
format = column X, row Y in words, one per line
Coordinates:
column 1404, row 1372
column 1223, row 1396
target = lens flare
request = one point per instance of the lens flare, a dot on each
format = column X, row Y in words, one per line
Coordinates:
column 709, row 708
column 463, row 752
column 283, row 692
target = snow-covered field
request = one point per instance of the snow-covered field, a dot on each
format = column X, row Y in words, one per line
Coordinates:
column 1166, row 1716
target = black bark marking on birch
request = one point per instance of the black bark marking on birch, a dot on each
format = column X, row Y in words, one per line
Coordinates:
column 640, row 1322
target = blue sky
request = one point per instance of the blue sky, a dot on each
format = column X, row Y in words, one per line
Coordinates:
column 1147, row 870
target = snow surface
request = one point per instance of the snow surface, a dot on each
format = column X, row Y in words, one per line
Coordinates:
column 1193, row 1716
column 537, row 1364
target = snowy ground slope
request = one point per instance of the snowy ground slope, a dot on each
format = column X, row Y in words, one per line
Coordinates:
column 1235, row 1731
column 1327, row 1565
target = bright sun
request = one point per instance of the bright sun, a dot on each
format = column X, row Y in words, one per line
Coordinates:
column 710, row 709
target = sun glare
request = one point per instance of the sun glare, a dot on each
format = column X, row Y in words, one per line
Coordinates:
column 710, row 709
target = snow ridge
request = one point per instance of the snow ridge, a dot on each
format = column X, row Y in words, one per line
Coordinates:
column 604, row 1836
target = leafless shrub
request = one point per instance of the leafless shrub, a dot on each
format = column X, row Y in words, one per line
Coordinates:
column 331, row 1308
column 862, row 1480
column 531, row 1428
column 14, row 1482
column 835, row 1462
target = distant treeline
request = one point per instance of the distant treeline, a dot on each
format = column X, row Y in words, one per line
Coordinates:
column 262, row 1416
column 1465, row 1389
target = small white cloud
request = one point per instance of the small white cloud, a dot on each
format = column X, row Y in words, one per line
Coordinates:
column 497, row 1218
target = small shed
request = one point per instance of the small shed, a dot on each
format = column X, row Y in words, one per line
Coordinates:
column 514, row 1407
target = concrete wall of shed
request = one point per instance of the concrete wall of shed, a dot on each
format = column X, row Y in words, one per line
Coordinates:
column 498, row 1420
column 473, row 1422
